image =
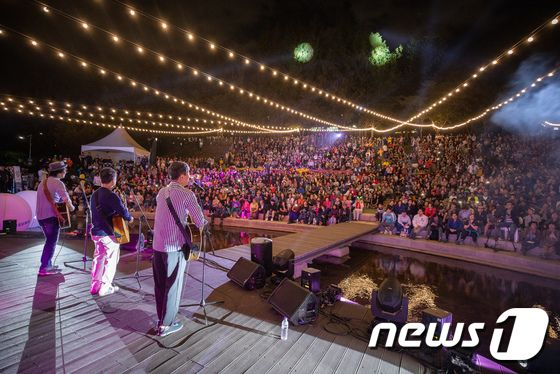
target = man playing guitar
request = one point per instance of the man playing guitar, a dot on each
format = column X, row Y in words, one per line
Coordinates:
column 169, row 238
column 105, row 204
column 50, row 192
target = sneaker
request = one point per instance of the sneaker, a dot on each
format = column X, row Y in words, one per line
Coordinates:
column 168, row 330
column 104, row 291
column 48, row 271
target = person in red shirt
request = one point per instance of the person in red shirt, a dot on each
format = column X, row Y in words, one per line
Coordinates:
column 430, row 211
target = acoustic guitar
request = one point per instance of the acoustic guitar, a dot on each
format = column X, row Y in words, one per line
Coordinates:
column 120, row 225
column 63, row 215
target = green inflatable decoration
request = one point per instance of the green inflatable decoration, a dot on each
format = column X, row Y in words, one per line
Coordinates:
column 303, row 53
column 380, row 54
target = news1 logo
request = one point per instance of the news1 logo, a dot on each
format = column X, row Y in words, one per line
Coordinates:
column 526, row 340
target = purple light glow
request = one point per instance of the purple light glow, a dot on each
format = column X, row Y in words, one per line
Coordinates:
column 342, row 298
column 488, row 364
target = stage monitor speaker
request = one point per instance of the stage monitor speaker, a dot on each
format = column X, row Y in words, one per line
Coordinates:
column 261, row 253
column 296, row 303
column 247, row 274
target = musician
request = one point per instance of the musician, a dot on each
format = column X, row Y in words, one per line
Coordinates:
column 104, row 205
column 51, row 191
column 169, row 262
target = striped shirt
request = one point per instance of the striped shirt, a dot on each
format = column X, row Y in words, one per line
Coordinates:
column 57, row 189
column 167, row 236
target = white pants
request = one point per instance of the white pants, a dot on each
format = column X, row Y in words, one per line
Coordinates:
column 105, row 260
column 357, row 214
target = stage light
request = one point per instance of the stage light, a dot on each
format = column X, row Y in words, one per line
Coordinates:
column 164, row 25
column 554, row 21
column 212, row 46
column 510, row 52
column 34, row 43
column 140, row 49
column 132, row 12
column 115, row 38
column 231, row 55
column 85, row 25
column 530, row 39
column 190, row 36
column 46, row 10
column 60, row 54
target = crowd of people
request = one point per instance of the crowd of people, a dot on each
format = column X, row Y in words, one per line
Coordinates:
column 496, row 186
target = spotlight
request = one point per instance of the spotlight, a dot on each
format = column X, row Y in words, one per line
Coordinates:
column 388, row 302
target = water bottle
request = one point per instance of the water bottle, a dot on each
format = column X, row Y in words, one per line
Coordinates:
column 284, row 329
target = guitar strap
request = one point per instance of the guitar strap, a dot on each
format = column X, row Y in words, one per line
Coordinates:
column 188, row 243
column 47, row 193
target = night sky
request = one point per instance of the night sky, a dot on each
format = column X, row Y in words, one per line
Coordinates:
column 444, row 42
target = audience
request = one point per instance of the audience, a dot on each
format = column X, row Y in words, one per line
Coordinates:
column 504, row 187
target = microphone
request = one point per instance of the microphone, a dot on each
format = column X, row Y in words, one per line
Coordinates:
column 198, row 185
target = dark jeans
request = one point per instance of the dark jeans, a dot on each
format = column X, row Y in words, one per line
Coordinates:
column 51, row 229
column 448, row 232
column 169, row 272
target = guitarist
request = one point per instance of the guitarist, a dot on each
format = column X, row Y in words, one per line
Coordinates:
column 104, row 205
column 51, row 191
column 174, row 204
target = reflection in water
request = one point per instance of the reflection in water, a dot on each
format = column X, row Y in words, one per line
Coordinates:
column 229, row 237
column 473, row 293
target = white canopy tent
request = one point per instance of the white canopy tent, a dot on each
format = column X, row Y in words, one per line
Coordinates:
column 118, row 145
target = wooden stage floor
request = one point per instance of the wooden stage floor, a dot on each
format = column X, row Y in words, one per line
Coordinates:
column 52, row 324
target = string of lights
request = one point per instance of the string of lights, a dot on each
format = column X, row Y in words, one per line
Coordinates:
column 479, row 116
column 33, row 112
column 87, row 65
column 69, row 109
column 180, row 66
column 461, row 87
column 123, row 114
column 192, row 37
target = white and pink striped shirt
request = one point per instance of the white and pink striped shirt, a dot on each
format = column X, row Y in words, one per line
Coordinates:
column 167, row 236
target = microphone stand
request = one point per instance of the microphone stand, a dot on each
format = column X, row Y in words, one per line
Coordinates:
column 203, row 235
column 203, row 303
column 87, row 218
column 139, row 245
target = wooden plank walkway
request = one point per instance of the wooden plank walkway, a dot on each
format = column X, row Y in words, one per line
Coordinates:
column 52, row 324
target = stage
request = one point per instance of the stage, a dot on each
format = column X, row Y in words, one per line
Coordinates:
column 52, row 324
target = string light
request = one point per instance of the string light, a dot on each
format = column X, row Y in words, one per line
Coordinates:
column 349, row 103
column 65, row 118
column 182, row 102
column 210, row 78
column 495, row 61
column 46, row 10
column 117, row 115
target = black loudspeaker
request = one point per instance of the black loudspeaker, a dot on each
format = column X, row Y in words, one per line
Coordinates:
column 439, row 316
column 9, row 226
column 311, row 279
column 296, row 303
column 247, row 274
column 261, row 253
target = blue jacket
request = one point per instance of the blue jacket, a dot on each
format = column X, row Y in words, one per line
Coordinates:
column 455, row 225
